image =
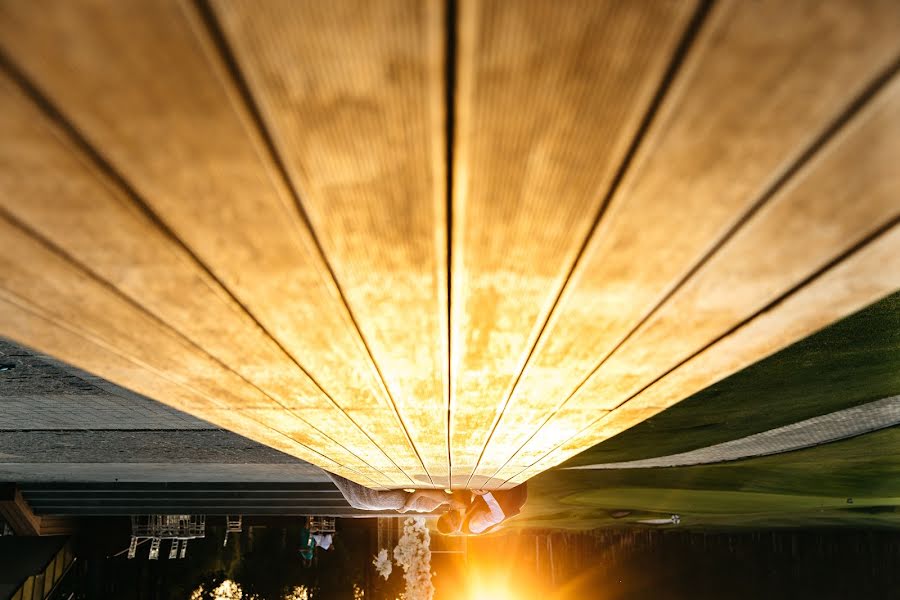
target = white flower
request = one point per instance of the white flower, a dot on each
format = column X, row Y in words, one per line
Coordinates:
column 413, row 554
column 228, row 590
column 300, row 592
column 383, row 564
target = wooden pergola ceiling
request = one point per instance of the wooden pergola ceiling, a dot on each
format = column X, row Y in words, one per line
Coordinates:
column 423, row 245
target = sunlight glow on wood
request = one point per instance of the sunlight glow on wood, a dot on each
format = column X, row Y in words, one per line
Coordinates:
column 243, row 212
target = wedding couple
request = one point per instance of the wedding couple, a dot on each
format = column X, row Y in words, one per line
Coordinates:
column 469, row 513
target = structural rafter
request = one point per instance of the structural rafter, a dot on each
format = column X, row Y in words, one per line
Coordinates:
column 423, row 244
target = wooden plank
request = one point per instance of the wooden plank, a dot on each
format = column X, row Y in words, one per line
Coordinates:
column 353, row 95
column 51, row 285
column 58, row 526
column 54, row 189
column 759, row 85
column 549, row 98
column 849, row 190
column 16, row 512
column 146, row 86
column 866, row 276
column 87, row 354
column 28, row 589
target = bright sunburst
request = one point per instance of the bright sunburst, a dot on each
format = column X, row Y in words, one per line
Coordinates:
column 499, row 584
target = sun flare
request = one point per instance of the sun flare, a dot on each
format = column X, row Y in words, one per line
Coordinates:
column 493, row 593
column 497, row 585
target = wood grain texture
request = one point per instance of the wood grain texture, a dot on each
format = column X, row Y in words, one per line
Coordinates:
column 849, row 190
column 866, row 276
column 836, row 201
column 353, row 94
column 51, row 286
column 14, row 510
column 758, row 86
column 48, row 336
column 549, row 97
column 17, row 513
column 146, row 86
column 241, row 209
column 48, row 184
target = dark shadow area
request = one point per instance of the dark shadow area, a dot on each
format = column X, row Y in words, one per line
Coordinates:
column 619, row 563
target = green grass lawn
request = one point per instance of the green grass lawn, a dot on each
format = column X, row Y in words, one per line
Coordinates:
column 852, row 362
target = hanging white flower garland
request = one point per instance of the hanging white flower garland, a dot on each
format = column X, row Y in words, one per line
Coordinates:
column 413, row 555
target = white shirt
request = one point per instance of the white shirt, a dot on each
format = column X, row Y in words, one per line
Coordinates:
column 322, row 541
column 481, row 521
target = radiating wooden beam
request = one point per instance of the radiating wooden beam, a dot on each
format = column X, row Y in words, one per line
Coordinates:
column 147, row 87
column 761, row 84
column 48, row 183
column 353, row 95
column 847, row 192
column 36, row 279
column 240, row 209
column 76, row 349
column 867, row 275
column 550, row 96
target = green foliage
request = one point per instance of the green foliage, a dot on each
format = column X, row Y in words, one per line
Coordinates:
column 854, row 361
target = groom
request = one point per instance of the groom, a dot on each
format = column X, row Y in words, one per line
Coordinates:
column 486, row 511
column 480, row 512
